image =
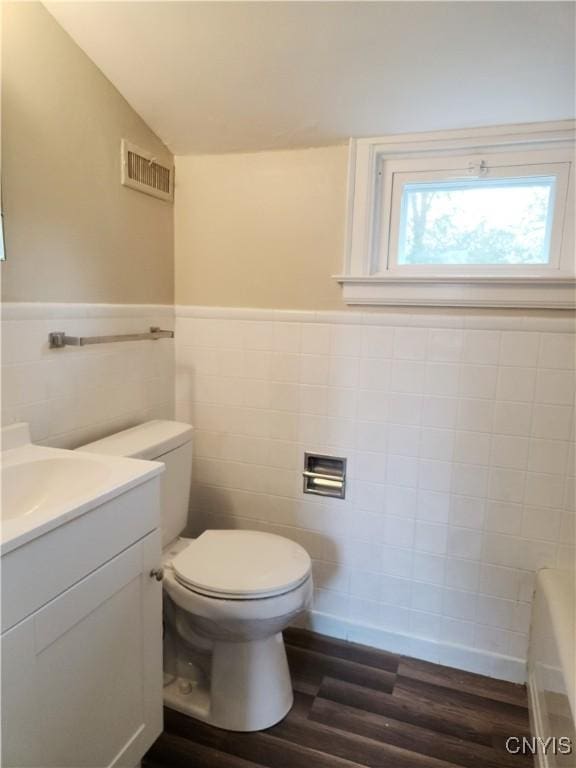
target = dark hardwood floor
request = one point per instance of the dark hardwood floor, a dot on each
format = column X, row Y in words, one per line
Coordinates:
column 356, row 706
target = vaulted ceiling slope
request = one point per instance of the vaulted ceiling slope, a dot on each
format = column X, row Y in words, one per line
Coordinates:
column 244, row 76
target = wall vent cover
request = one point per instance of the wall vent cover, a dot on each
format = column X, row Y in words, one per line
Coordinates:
column 141, row 171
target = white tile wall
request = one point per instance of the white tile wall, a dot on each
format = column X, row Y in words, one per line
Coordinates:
column 459, row 436
column 459, row 433
column 73, row 395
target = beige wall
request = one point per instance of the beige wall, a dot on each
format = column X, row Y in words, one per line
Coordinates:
column 73, row 233
column 266, row 230
column 261, row 230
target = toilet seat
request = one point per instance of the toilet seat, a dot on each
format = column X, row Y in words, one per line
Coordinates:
column 241, row 565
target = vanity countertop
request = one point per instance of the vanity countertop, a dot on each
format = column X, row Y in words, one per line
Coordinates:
column 43, row 488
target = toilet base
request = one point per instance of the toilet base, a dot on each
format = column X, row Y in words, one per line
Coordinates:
column 250, row 687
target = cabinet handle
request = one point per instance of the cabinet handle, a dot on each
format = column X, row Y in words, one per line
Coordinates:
column 157, row 573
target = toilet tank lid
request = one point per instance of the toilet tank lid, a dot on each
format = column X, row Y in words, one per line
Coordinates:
column 146, row 441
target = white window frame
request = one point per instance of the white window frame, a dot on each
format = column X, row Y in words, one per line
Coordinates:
column 378, row 168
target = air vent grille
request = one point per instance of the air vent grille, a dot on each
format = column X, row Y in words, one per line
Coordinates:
column 142, row 172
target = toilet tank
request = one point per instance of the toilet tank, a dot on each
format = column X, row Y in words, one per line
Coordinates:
column 169, row 442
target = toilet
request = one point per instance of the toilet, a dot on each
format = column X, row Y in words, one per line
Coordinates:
column 228, row 594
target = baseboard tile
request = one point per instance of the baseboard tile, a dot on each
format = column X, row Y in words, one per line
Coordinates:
column 457, row 656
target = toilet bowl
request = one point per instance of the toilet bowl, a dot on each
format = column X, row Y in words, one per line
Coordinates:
column 228, row 594
column 236, row 591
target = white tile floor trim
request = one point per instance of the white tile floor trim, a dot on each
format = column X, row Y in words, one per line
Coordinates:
column 459, row 434
column 448, row 654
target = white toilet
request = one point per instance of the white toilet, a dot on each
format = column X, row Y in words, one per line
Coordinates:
column 227, row 597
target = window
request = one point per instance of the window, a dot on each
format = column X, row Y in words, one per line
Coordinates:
column 482, row 218
column 506, row 221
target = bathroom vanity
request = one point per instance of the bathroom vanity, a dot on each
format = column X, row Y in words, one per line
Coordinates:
column 81, row 608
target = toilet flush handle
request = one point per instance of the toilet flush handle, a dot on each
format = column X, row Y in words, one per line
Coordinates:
column 157, row 573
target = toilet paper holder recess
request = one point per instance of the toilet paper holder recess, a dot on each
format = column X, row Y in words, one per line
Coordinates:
column 325, row 475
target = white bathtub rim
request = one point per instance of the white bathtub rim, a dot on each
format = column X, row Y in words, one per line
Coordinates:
column 559, row 589
column 536, row 723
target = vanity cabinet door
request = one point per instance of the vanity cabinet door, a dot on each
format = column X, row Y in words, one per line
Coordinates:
column 82, row 677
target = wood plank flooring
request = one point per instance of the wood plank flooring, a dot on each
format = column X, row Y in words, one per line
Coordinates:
column 357, row 707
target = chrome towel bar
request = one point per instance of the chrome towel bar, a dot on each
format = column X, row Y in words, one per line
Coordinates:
column 58, row 339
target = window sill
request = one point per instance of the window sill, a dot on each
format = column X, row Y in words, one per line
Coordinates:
column 460, row 291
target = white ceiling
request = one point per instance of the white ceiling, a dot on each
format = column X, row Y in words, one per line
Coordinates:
column 219, row 77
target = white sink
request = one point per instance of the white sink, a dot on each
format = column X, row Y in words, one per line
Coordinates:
column 33, row 485
column 43, row 488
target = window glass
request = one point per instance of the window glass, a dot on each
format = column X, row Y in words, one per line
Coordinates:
column 477, row 221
